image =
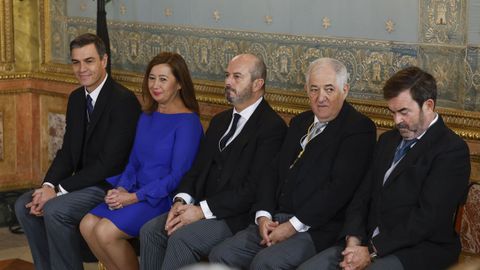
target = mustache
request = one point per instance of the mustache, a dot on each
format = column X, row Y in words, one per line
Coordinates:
column 405, row 126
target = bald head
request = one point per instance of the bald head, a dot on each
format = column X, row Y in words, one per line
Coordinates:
column 256, row 66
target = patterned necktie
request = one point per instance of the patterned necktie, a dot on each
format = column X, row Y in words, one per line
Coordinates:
column 224, row 140
column 89, row 108
column 312, row 132
column 402, row 149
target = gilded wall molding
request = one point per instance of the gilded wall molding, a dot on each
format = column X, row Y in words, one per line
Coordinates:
column 7, row 55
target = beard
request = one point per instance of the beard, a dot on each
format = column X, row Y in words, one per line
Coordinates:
column 237, row 97
column 415, row 129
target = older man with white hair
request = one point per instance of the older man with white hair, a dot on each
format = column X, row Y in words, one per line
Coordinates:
column 302, row 198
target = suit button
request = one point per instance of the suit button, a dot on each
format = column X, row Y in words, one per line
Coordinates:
column 282, row 194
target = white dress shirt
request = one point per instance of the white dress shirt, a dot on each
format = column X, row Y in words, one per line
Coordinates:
column 94, row 95
column 296, row 223
column 394, row 164
column 245, row 114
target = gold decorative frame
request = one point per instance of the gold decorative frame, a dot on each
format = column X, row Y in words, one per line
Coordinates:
column 7, row 55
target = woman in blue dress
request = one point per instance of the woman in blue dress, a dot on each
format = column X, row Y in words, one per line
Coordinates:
column 166, row 142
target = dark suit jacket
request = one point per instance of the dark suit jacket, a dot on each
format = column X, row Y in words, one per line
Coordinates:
column 327, row 174
column 257, row 143
column 414, row 209
column 89, row 154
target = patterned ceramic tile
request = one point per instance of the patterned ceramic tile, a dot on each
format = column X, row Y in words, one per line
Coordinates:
column 447, row 65
column 443, row 21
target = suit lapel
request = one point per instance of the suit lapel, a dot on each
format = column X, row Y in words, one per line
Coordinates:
column 78, row 134
column 214, row 133
column 240, row 142
column 100, row 105
column 386, row 157
column 418, row 150
column 322, row 141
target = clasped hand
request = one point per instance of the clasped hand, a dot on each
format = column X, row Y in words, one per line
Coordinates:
column 181, row 215
column 39, row 197
column 272, row 232
column 355, row 258
column 119, row 197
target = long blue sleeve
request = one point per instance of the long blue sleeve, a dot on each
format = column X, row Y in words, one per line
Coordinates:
column 186, row 139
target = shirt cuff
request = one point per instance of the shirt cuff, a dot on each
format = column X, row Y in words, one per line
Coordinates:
column 262, row 213
column 298, row 225
column 206, row 210
column 186, row 197
column 48, row 184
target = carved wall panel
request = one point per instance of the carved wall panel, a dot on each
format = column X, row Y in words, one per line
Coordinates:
column 56, row 130
column 8, row 135
column 52, row 128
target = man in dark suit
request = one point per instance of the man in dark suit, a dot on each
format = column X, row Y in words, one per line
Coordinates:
column 302, row 198
column 100, row 127
column 214, row 198
column 402, row 217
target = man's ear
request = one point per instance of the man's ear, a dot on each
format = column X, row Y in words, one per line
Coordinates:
column 429, row 105
column 346, row 88
column 104, row 60
column 258, row 84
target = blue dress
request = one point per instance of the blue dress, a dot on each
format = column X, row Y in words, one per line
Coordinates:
column 164, row 149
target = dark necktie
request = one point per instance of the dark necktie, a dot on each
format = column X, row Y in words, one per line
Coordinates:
column 402, row 149
column 224, row 140
column 89, row 108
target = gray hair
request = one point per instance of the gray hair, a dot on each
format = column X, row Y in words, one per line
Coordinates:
column 339, row 67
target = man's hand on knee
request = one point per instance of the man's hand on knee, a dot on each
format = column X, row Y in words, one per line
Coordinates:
column 187, row 214
column 265, row 227
column 281, row 233
column 33, row 205
column 173, row 213
column 355, row 258
column 40, row 197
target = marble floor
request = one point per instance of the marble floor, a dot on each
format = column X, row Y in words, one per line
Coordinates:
column 15, row 246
